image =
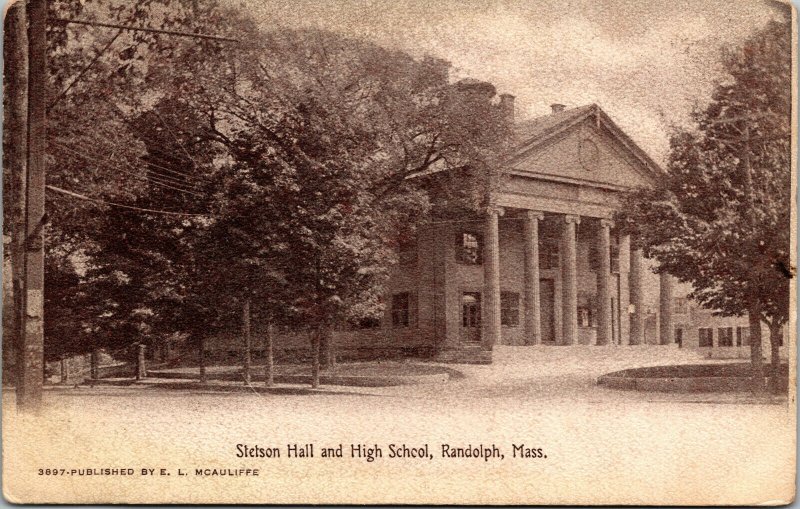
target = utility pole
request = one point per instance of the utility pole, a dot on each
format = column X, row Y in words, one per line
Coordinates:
column 26, row 74
column 16, row 159
column 248, row 343
column 29, row 386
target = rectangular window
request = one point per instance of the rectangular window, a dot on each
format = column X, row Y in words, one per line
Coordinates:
column 585, row 318
column 705, row 336
column 742, row 336
column 509, row 309
column 468, row 248
column 548, row 253
column 680, row 305
column 471, row 309
column 404, row 309
column 679, row 336
column 407, row 251
column 725, row 336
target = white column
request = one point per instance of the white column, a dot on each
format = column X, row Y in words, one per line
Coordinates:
column 569, row 280
column 533, row 326
column 624, row 289
column 637, row 297
column 491, row 279
column 603, row 288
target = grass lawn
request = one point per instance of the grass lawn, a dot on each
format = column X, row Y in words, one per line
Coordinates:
column 697, row 370
column 375, row 368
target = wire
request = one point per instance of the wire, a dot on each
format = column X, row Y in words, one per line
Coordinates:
column 84, row 71
column 142, row 137
column 174, row 137
column 141, row 29
column 106, row 161
column 158, row 179
column 182, row 174
column 120, row 205
column 149, row 178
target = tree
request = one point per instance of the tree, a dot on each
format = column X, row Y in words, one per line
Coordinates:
column 295, row 151
column 323, row 134
column 721, row 218
column 100, row 82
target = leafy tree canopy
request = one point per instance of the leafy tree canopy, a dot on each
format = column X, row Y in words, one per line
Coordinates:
column 295, row 150
column 720, row 219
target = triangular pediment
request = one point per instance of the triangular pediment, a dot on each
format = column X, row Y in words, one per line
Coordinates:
column 590, row 150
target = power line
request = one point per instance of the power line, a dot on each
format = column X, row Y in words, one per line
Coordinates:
column 84, row 71
column 170, row 170
column 174, row 137
column 120, row 205
column 140, row 29
column 158, row 179
column 143, row 137
column 107, row 163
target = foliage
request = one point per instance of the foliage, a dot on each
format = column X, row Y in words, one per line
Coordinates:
column 295, row 150
column 721, row 219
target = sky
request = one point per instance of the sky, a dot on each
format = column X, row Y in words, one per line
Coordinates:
column 646, row 63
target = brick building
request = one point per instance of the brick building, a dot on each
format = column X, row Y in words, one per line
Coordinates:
column 545, row 265
column 715, row 336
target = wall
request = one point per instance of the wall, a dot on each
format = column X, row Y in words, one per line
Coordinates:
column 469, row 278
column 560, row 157
column 697, row 317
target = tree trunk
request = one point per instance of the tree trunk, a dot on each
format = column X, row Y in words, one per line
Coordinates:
column 756, row 355
column 163, row 353
column 775, row 336
column 315, row 340
column 141, row 366
column 94, row 364
column 203, row 377
column 247, row 341
column 331, row 350
column 269, row 377
column 64, row 370
column 324, row 350
column 327, row 348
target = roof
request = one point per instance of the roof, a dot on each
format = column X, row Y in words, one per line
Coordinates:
column 534, row 132
column 537, row 131
column 539, row 126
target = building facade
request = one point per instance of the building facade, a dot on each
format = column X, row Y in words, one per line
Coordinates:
column 545, row 265
column 720, row 337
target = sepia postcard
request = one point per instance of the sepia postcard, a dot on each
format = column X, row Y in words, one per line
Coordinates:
column 472, row 252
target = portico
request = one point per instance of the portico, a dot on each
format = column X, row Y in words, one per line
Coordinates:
column 543, row 263
column 566, row 180
column 581, row 257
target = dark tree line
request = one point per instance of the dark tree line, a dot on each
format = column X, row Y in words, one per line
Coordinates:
column 289, row 153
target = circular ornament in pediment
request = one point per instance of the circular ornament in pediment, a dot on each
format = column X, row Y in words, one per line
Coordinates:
column 588, row 154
